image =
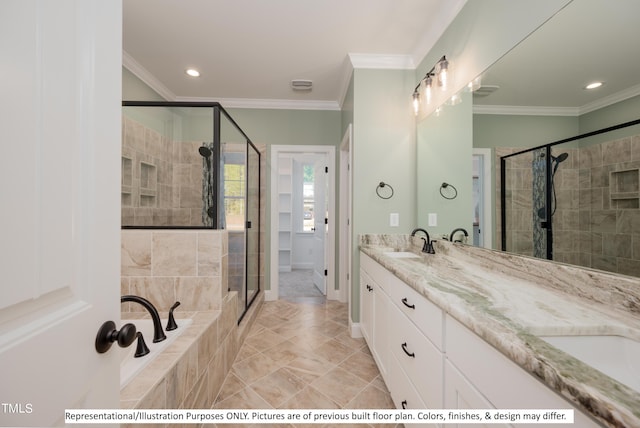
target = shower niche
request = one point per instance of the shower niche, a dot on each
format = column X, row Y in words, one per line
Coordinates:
column 624, row 188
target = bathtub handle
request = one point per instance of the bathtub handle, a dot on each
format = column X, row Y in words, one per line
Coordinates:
column 171, row 322
column 108, row 334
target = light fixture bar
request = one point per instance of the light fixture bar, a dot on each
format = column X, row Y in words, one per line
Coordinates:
column 438, row 73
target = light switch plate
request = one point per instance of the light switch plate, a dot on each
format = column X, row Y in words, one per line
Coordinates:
column 433, row 219
column 394, row 219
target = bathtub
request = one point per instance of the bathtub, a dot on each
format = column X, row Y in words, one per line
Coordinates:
column 131, row 366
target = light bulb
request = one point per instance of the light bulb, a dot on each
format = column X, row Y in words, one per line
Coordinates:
column 474, row 85
column 428, row 88
column 416, row 103
column 443, row 71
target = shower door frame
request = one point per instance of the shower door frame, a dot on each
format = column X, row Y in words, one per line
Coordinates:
column 217, row 179
column 548, row 225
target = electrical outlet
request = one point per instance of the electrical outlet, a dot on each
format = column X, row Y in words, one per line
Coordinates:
column 433, row 219
column 394, row 219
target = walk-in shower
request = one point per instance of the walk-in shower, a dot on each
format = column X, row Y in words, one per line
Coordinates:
column 190, row 166
column 575, row 200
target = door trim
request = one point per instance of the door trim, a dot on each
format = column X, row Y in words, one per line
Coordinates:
column 489, row 207
column 274, row 274
column 344, row 269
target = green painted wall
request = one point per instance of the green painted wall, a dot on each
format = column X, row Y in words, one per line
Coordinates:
column 492, row 130
column 383, row 150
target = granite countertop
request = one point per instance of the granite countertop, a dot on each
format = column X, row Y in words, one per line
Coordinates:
column 510, row 300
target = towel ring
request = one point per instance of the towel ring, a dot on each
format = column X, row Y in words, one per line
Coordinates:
column 445, row 186
column 382, row 185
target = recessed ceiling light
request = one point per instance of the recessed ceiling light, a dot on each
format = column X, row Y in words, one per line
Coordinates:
column 594, row 85
column 192, row 72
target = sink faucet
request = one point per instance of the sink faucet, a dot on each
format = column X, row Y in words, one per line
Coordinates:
column 466, row 235
column 158, row 333
column 427, row 247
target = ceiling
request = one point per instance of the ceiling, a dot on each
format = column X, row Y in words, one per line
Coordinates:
column 586, row 41
column 248, row 51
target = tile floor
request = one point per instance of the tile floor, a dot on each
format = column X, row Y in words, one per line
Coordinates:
column 300, row 355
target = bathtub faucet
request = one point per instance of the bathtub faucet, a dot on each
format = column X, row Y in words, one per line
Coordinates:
column 158, row 333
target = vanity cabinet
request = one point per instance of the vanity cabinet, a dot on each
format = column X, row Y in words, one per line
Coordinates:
column 407, row 337
column 428, row 359
column 477, row 374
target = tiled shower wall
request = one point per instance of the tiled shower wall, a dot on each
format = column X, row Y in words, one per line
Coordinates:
column 161, row 178
column 166, row 266
column 597, row 219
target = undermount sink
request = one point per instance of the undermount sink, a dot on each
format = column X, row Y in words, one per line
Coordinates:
column 616, row 356
column 402, row 255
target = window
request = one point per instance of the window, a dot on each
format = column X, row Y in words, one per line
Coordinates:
column 234, row 192
column 308, row 201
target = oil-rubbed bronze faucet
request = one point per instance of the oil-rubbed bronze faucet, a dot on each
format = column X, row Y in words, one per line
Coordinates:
column 158, row 332
column 427, row 247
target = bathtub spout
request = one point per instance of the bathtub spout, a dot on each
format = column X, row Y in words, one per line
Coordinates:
column 158, row 332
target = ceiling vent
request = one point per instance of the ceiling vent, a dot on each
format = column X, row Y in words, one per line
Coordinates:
column 485, row 90
column 301, row 85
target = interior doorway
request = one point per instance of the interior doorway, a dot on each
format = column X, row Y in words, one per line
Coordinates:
column 302, row 217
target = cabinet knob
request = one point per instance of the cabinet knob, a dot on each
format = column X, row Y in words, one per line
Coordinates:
column 404, row 404
column 406, row 303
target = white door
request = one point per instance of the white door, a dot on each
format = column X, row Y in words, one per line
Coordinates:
column 319, row 224
column 60, row 212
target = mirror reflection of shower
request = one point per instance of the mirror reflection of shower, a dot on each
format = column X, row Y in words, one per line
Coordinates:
column 208, row 206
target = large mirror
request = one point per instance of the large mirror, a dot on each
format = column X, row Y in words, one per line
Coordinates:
column 536, row 95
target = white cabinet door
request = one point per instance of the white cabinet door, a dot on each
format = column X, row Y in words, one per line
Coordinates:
column 381, row 351
column 60, row 215
column 366, row 307
column 460, row 394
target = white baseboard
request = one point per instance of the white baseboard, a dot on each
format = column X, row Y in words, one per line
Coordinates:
column 269, row 296
column 355, row 329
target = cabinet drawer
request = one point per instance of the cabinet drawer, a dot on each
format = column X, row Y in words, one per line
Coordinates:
column 419, row 358
column 427, row 317
column 403, row 393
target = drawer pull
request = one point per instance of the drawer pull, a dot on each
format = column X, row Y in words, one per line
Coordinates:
column 369, row 288
column 404, row 348
column 404, row 302
column 404, row 404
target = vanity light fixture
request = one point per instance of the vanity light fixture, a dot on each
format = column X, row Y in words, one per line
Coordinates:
column 594, row 85
column 192, row 72
column 423, row 91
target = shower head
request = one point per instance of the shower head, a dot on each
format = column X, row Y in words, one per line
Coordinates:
column 205, row 152
column 560, row 158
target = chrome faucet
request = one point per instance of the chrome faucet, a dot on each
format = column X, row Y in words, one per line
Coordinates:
column 427, row 247
column 158, row 332
column 466, row 235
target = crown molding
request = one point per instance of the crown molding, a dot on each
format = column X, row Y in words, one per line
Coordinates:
column 631, row 92
column 526, row 110
column 149, row 79
column 625, row 94
column 266, row 103
column 382, row 61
